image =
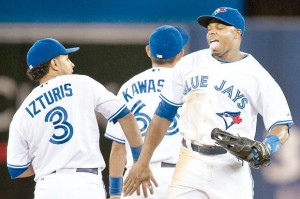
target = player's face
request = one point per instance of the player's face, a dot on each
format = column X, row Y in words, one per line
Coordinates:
column 221, row 39
column 65, row 65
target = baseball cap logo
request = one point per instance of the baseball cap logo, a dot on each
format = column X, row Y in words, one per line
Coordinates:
column 219, row 10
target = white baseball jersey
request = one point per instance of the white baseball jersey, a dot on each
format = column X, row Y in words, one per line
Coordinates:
column 56, row 127
column 228, row 96
column 141, row 94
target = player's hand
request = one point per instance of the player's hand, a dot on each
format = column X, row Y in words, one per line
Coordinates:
column 139, row 175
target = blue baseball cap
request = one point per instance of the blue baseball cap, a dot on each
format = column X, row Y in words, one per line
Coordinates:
column 46, row 49
column 167, row 41
column 229, row 16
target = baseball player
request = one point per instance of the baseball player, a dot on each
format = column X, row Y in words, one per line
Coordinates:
column 54, row 134
column 220, row 87
column 141, row 93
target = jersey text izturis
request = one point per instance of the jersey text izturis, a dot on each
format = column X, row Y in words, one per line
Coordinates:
column 48, row 98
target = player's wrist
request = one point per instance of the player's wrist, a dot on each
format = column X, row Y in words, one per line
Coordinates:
column 136, row 151
column 115, row 185
column 273, row 143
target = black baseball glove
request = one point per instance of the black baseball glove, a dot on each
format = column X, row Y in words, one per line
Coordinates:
column 254, row 152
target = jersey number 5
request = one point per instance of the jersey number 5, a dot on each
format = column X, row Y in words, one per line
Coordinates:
column 58, row 116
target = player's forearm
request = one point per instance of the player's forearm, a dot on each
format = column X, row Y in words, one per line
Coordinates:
column 281, row 131
column 29, row 172
column 155, row 133
column 131, row 130
column 117, row 159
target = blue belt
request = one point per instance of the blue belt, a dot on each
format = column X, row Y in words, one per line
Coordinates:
column 165, row 164
column 86, row 170
column 206, row 150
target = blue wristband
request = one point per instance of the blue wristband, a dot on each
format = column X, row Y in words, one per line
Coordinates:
column 115, row 186
column 273, row 143
column 136, row 152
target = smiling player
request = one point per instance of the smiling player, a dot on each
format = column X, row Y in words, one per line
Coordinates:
column 220, row 87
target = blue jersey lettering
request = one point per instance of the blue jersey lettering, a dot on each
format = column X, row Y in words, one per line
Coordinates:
column 239, row 98
column 145, row 86
column 195, row 83
column 48, row 98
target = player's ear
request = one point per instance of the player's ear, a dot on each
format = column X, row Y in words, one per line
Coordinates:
column 180, row 55
column 238, row 33
column 147, row 48
column 54, row 64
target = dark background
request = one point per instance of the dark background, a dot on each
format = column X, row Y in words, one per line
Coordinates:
column 272, row 8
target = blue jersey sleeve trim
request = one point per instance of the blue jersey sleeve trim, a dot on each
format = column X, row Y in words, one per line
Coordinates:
column 114, row 138
column 119, row 114
column 168, row 101
column 15, row 170
column 289, row 123
column 166, row 110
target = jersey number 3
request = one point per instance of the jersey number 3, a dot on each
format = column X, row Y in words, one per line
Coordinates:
column 58, row 116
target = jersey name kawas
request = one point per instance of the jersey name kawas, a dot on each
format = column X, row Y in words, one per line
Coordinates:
column 143, row 86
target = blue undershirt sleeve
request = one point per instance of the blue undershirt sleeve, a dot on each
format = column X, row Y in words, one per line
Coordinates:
column 166, row 110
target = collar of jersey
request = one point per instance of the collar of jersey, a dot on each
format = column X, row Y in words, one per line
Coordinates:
column 225, row 62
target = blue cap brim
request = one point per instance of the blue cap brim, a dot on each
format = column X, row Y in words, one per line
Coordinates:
column 71, row 50
column 204, row 20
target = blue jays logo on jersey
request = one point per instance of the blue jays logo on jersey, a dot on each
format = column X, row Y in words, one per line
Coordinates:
column 230, row 118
